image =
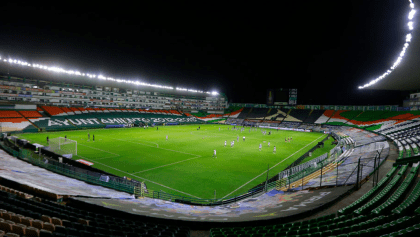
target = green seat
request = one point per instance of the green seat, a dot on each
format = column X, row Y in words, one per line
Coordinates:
column 336, row 232
column 316, row 234
column 303, row 231
column 316, row 229
column 217, row 235
column 346, row 229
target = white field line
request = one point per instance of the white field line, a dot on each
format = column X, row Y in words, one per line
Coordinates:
column 103, row 158
column 167, row 165
column 157, row 147
column 98, row 149
column 272, row 167
column 138, row 177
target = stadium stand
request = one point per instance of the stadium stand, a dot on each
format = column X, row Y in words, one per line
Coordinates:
column 257, row 113
column 30, row 114
column 9, row 114
column 389, row 207
column 380, row 212
column 313, row 116
column 297, row 115
column 54, row 111
column 244, row 113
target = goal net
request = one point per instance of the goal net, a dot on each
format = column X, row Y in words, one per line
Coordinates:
column 63, row 146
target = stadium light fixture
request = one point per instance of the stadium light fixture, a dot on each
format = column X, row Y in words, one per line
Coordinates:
column 402, row 53
column 101, row 77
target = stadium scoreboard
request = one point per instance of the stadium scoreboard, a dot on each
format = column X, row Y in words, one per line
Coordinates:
column 281, row 96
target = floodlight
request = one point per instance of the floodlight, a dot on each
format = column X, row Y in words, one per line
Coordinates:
column 402, row 53
column 411, row 14
column 410, row 25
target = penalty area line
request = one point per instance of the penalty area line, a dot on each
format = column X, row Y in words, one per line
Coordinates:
column 139, row 177
column 99, row 149
column 272, row 167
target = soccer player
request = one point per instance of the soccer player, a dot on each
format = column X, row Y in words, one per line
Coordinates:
column 237, row 138
column 219, row 128
column 48, row 140
column 274, row 151
column 65, row 138
column 244, row 138
column 260, row 146
column 231, row 144
column 268, row 144
column 93, row 137
column 88, row 137
column 225, row 143
column 166, row 137
column 214, row 154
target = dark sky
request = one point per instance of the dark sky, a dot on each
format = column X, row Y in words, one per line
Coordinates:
column 326, row 49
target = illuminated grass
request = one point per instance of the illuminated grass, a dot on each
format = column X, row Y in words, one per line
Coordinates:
column 184, row 163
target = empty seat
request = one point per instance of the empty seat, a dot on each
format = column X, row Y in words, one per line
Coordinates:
column 26, row 221
column 48, row 226
column 56, row 221
column 37, row 224
column 45, row 233
column 6, row 227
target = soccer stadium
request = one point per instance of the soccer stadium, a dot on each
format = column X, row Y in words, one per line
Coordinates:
column 87, row 154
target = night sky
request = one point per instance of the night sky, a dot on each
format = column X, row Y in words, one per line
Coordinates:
column 326, row 49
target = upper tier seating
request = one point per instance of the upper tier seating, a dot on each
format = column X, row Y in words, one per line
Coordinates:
column 297, row 115
column 313, row 116
column 9, row 114
column 257, row 113
column 54, row 111
column 30, row 114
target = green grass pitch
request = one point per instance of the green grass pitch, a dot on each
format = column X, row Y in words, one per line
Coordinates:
column 184, row 163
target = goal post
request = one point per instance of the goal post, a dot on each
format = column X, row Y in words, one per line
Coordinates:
column 63, row 146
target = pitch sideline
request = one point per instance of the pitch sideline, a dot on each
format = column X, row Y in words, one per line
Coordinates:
column 272, row 167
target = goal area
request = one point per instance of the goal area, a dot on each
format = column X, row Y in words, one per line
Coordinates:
column 63, row 146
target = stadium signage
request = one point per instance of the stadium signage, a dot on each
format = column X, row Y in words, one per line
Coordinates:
column 84, row 121
column 93, row 121
column 84, row 162
column 113, row 120
column 10, row 87
column 290, row 129
column 71, row 93
column 105, row 101
column 7, row 94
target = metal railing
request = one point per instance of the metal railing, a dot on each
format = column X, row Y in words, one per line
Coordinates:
column 130, row 187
